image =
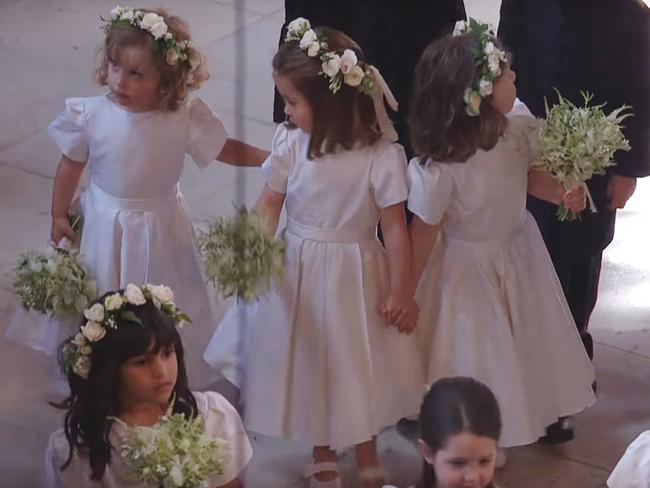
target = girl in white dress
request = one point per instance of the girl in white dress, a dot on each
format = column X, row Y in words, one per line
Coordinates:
column 492, row 306
column 134, row 140
column 324, row 367
column 125, row 368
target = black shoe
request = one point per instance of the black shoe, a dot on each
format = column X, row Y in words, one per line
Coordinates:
column 408, row 429
column 559, row 432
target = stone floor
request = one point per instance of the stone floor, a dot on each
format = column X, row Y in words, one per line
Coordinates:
column 46, row 54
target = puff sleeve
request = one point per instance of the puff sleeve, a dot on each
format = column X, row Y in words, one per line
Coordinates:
column 431, row 190
column 206, row 134
column 68, row 130
column 277, row 166
column 523, row 129
column 388, row 176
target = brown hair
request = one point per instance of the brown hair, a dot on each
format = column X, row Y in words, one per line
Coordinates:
column 440, row 127
column 343, row 119
column 175, row 81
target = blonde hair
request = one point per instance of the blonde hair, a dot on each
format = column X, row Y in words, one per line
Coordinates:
column 175, row 81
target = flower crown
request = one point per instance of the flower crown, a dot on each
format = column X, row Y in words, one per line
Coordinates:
column 173, row 51
column 103, row 316
column 488, row 60
column 343, row 68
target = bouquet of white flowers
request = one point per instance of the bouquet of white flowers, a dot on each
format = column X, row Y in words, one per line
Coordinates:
column 239, row 255
column 174, row 453
column 578, row 142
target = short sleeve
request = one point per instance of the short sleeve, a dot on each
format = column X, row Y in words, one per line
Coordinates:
column 223, row 422
column 523, row 129
column 77, row 473
column 206, row 134
column 431, row 189
column 277, row 166
column 633, row 469
column 68, row 130
column 388, row 176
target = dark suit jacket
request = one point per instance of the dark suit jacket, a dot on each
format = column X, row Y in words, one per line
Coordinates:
column 601, row 46
column 392, row 35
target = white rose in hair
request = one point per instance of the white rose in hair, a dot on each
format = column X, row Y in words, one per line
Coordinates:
column 460, row 27
column 485, row 88
column 331, row 67
column 113, row 302
column 134, row 295
column 494, row 63
column 298, row 24
column 155, row 24
column 348, row 61
column 95, row 313
column 93, row 331
column 79, row 339
column 116, row 11
column 354, row 77
column 127, row 14
column 313, row 49
column 82, row 366
column 307, row 39
column 163, row 293
column 489, row 48
column 171, row 56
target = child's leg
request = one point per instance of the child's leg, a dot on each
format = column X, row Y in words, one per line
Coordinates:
column 323, row 454
column 370, row 473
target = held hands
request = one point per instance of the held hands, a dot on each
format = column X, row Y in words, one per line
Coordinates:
column 401, row 312
column 619, row 190
column 576, row 199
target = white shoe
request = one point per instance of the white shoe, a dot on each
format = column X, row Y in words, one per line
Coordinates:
column 502, row 458
column 313, row 469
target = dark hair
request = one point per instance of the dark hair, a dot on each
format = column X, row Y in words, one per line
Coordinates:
column 440, row 127
column 174, row 80
column 343, row 119
column 94, row 401
column 453, row 406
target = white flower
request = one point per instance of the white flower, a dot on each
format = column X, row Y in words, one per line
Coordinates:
column 489, row 48
column 485, row 87
column 298, row 24
column 176, row 475
column 79, row 340
column 331, row 67
column 86, row 350
column 155, row 24
column 163, row 293
column 113, row 302
column 313, row 49
column 308, row 38
column 472, row 102
column 127, row 14
column 171, row 56
column 348, row 61
column 93, row 331
column 354, row 77
column 134, row 295
column 82, row 366
column 460, row 28
column 95, row 313
column 50, row 266
column 494, row 63
column 35, row 266
column 167, row 36
column 116, row 12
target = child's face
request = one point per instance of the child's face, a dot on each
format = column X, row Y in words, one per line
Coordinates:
column 296, row 106
column 149, row 378
column 466, row 461
column 504, row 94
column 133, row 79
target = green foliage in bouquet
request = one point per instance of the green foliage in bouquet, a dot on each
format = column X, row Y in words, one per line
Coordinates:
column 239, row 255
column 577, row 142
column 54, row 282
column 176, row 452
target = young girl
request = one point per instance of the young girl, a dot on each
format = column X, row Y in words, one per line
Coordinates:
column 492, row 306
column 324, row 367
column 125, row 368
column 460, row 425
column 134, row 140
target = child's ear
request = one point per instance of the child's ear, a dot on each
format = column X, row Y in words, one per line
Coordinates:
column 425, row 451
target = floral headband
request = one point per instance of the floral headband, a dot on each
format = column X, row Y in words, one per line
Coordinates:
column 344, row 68
column 173, row 50
column 103, row 316
column 488, row 59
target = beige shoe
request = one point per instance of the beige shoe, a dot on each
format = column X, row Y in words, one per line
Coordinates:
column 313, row 469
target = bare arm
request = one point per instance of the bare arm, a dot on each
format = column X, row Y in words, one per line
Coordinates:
column 237, row 153
column 543, row 185
column 66, row 181
column 269, row 206
column 423, row 237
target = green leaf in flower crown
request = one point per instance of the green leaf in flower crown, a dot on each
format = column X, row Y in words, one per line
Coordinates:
column 129, row 316
column 184, row 317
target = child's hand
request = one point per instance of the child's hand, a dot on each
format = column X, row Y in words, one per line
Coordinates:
column 60, row 229
column 575, row 200
column 401, row 313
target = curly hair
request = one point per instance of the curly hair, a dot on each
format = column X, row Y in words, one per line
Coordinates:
column 440, row 128
column 345, row 119
column 175, row 81
column 94, row 401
